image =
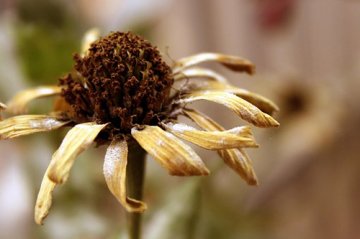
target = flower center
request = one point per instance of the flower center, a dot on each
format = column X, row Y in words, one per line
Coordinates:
column 122, row 80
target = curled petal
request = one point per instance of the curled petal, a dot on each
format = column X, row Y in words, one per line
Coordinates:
column 178, row 158
column 17, row 105
column 236, row 159
column 232, row 62
column 239, row 161
column 44, row 199
column 240, row 106
column 78, row 139
column 115, row 175
column 264, row 104
column 28, row 124
column 202, row 120
column 198, row 72
column 214, row 139
column 89, row 37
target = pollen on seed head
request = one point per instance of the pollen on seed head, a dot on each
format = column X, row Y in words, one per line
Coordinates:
column 122, row 80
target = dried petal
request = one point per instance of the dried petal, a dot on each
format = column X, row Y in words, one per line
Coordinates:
column 17, row 105
column 78, row 139
column 28, row 124
column 198, row 72
column 44, row 199
column 115, row 175
column 178, row 158
column 232, row 62
column 239, row 161
column 202, row 120
column 264, row 104
column 89, row 37
column 240, row 106
column 214, row 139
column 236, row 159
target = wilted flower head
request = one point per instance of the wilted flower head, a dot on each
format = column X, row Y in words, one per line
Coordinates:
column 121, row 92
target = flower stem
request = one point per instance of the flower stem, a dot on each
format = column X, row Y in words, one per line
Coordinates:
column 135, row 181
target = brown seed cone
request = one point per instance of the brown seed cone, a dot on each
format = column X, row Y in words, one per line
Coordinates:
column 122, row 80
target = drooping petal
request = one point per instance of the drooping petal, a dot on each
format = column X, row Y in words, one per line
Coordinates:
column 28, row 124
column 202, row 120
column 232, row 62
column 214, row 139
column 178, row 158
column 44, row 199
column 264, row 104
column 239, row 161
column 78, row 139
column 240, row 106
column 236, row 159
column 115, row 175
column 198, row 72
column 89, row 37
column 17, row 105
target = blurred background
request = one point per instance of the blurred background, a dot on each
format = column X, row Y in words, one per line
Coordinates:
column 307, row 55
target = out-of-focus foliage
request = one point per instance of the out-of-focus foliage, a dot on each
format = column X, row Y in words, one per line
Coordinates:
column 46, row 39
column 177, row 220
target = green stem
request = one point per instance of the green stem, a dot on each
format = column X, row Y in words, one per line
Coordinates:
column 135, row 173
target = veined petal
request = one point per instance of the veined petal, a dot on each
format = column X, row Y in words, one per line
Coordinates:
column 28, row 124
column 44, row 199
column 178, row 158
column 239, row 161
column 240, row 106
column 214, row 139
column 198, row 72
column 204, row 121
column 232, row 62
column 18, row 104
column 264, row 104
column 236, row 159
column 78, row 139
column 115, row 175
column 89, row 37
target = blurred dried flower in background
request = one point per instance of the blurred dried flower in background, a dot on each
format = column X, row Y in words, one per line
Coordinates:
column 122, row 93
column 272, row 14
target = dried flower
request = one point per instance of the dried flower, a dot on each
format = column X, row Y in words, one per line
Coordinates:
column 121, row 92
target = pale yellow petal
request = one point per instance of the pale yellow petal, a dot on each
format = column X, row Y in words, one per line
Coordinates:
column 214, row 139
column 44, row 199
column 264, row 104
column 239, row 161
column 89, row 37
column 78, row 139
column 198, row 72
column 240, row 106
column 232, row 62
column 204, row 121
column 28, row 124
column 236, row 159
column 177, row 157
column 115, row 175
column 17, row 105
